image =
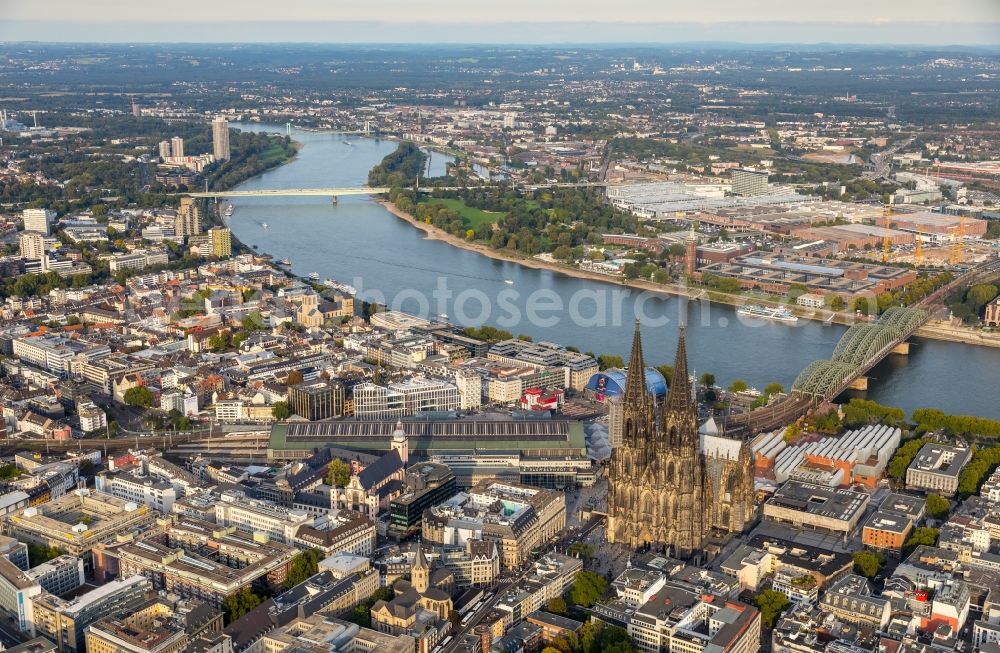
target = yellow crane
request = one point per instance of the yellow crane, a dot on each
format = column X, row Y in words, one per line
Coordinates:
column 961, row 237
column 955, row 255
column 888, row 240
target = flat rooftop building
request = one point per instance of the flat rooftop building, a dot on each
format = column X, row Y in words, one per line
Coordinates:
column 159, row 625
column 577, row 367
column 776, row 273
column 326, row 633
column 886, row 531
column 517, row 517
column 936, row 226
column 64, row 621
column 195, row 559
column 936, row 468
column 427, row 484
column 816, row 507
column 78, row 521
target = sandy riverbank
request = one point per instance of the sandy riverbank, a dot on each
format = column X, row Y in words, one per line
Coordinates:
column 937, row 330
column 676, row 290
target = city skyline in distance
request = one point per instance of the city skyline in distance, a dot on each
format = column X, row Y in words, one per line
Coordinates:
column 890, row 22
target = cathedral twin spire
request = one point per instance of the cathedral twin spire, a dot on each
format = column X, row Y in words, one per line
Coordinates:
column 635, row 381
column 679, row 397
column 662, row 488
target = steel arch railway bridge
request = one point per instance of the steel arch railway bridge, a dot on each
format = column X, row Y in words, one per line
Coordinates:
column 860, row 348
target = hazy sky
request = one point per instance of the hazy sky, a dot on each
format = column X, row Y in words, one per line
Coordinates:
column 409, row 21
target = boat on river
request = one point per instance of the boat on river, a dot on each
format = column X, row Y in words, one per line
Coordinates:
column 778, row 314
column 340, row 287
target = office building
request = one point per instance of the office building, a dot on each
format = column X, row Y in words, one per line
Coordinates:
column 65, row 621
column 477, row 564
column 259, row 517
column 576, row 368
column 77, row 522
column 14, row 551
column 427, row 484
column 616, row 419
column 188, row 221
column 37, row 220
column 137, row 260
column 886, row 531
column 18, row 587
column 531, row 469
column 32, row 245
column 183, row 558
column 347, row 532
column 177, row 147
column 851, row 599
column 816, row 507
column 160, row 625
column 550, row 577
column 405, row 398
column 936, row 468
column 324, row 632
column 748, row 183
column 517, row 517
column 142, row 490
column 679, row 618
column 317, row 400
column 59, row 576
column 325, row 592
column 220, row 139
column 57, row 353
column 222, row 245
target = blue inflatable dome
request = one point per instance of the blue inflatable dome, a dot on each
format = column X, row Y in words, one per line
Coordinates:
column 611, row 383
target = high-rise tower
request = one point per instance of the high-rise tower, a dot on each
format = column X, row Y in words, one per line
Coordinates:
column 220, row 139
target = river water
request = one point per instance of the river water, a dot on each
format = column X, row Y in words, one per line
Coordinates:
column 357, row 241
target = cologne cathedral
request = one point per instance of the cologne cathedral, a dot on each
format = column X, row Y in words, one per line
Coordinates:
column 670, row 483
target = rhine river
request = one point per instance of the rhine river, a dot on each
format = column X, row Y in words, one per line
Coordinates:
column 359, row 242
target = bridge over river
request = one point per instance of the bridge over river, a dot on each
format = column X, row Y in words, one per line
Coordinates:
column 361, row 190
column 860, row 348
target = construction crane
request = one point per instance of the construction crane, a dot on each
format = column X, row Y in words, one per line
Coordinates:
column 955, row 255
column 961, row 237
column 888, row 240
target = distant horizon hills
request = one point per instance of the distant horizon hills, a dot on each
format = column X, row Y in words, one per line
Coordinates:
column 610, row 45
column 980, row 36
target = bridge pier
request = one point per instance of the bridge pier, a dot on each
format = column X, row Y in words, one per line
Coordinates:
column 903, row 349
column 860, row 383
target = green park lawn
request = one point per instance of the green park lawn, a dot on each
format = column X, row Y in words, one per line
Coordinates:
column 471, row 217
